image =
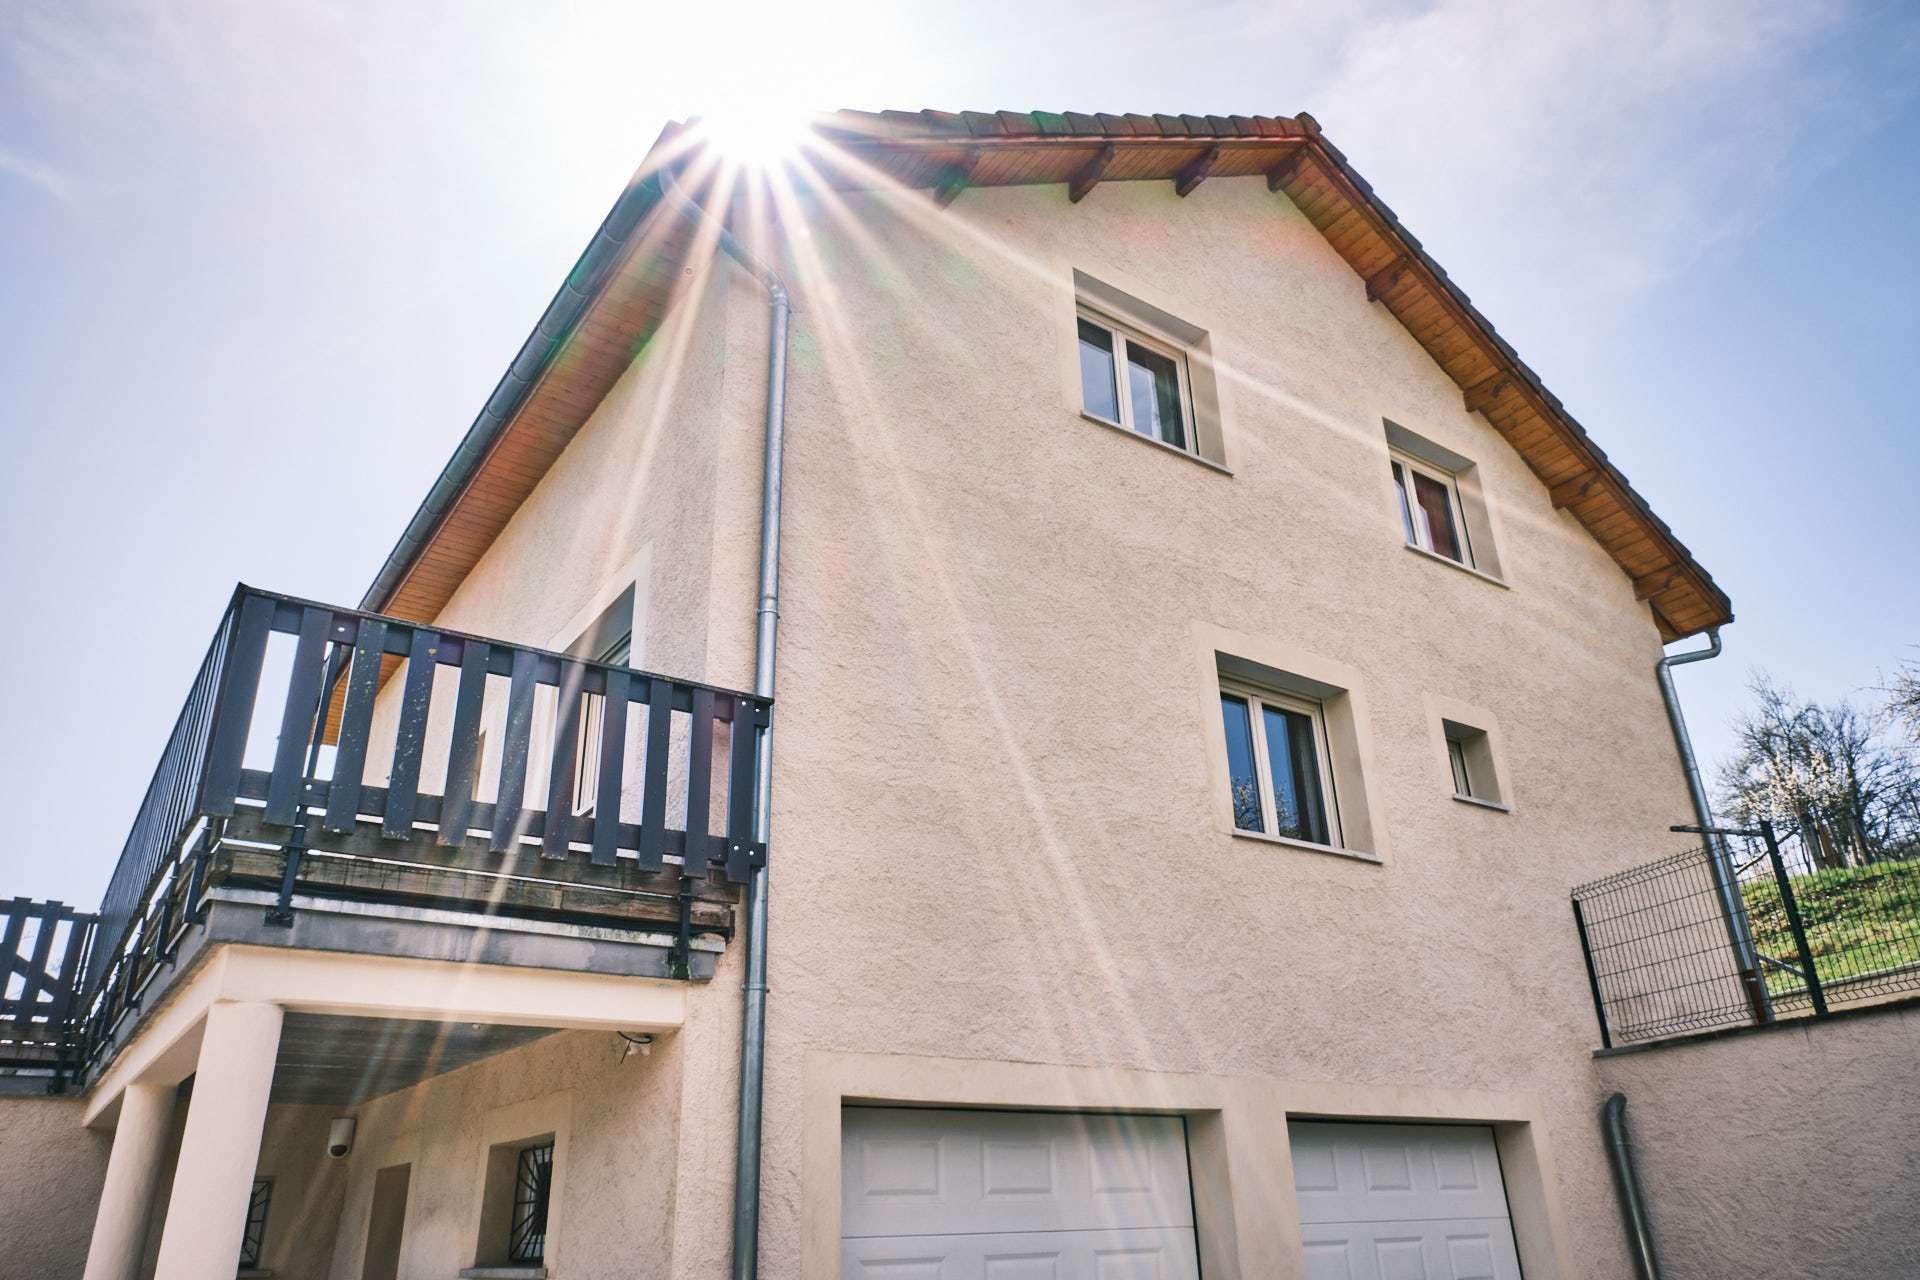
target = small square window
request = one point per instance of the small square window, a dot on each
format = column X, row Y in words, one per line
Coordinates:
column 1278, row 765
column 532, row 1194
column 1131, row 380
column 1430, row 512
column 1470, row 762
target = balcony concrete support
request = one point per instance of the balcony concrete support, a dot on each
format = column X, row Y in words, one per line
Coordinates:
column 133, row 1171
column 207, row 1213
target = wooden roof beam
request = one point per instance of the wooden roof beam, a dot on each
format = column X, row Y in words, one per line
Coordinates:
column 1196, row 173
column 954, row 179
column 1282, row 173
column 1483, row 394
column 1386, row 277
column 1089, row 177
column 1578, row 489
column 1660, row 581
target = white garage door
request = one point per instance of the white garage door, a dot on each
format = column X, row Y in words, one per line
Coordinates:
column 1402, row 1202
column 998, row 1195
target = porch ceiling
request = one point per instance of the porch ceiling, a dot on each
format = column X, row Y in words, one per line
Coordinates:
column 327, row 1060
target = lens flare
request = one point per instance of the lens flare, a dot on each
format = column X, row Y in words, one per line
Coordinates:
column 754, row 135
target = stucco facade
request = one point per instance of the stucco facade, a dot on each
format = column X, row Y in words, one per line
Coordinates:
column 998, row 809
column 1004, row 866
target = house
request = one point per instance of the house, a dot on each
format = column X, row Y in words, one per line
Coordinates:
column 1207, row 658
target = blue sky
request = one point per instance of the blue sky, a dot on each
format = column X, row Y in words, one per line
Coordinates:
column 262, row 264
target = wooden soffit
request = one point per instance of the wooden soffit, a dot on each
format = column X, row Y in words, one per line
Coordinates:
column 948, row 152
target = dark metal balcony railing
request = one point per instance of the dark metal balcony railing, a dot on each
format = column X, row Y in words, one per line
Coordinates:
column 340, row 659
column 42, row 951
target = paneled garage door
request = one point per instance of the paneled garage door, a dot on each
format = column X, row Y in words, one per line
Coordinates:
column 1402, row 1202
column 999, row 1195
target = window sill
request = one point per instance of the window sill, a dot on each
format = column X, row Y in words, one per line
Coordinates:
column 1307, row 845
column 1467, row 569
column 1162, row 445
column 254, row 1273
column 503, row 1273
column 1478, row 803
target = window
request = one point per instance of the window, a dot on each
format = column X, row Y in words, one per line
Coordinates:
column 1278, row 765
column 532, row 1192
column 1429, row 501
column 1471, row 761
column 608, row 640
column 253, row 1240
column 1135, row 382
column 1457, row 761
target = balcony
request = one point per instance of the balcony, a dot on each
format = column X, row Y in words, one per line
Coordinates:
column 346, row 782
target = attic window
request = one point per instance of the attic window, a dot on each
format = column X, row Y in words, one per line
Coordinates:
column 1144, row 371
column 1130, row 381
column 1440, row 504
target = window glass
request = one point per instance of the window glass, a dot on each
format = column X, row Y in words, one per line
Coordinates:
column 1298, row 808
column 1098, row 392
column 1457, row 758
column 1435, row 507
column 1406, row 508
column 1153, row 384
column 1241, row 770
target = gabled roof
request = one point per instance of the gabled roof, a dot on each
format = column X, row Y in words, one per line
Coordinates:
column 623, row 286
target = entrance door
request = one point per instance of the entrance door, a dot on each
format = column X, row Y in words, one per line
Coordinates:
column 968, row 1195
column 384, row 1224
column 1402, row 1202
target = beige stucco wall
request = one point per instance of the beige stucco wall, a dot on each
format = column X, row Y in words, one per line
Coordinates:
column 298, row 1240
column 998, row 828
column 624, row 1158
column 1781, row 1155
column 51, row 1169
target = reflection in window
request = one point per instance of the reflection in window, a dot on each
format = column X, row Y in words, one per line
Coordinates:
column 1298, row 811
column 1241, row 770
column 1097, row 392
column 1153, row 382
column 1280, row 777
column 1429, row 509
column 1152, row 399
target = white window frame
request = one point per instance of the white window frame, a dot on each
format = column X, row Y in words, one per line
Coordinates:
column 586, row 750
column 1409, row 502
column 1257, row 698
column 1462, row 771
column 1123, row 333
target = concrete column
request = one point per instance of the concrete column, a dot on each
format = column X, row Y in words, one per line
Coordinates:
column 133, row 1170
column 207, row 1214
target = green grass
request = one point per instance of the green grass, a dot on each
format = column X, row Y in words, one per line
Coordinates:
column 1859, row 921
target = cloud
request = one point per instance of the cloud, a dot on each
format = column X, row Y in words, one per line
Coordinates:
column 1603, row 148
column 36, row 174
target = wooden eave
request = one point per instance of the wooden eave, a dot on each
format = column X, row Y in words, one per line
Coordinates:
column 945, row 153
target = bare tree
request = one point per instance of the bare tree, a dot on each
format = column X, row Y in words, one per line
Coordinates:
column 1903, row 699
column 1833, row 772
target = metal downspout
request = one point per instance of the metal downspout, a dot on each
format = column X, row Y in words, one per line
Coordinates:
column 1633, row 1205
column 1720, row 859
column 753, row 1033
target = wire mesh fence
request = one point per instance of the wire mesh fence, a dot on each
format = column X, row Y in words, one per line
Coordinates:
column 1742, row 929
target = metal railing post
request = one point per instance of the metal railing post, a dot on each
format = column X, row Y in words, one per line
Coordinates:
column 1593, row 977
column 1794, row 922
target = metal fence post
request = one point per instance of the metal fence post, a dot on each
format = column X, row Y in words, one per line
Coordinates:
column 1593, row 978
column 1794, row 922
